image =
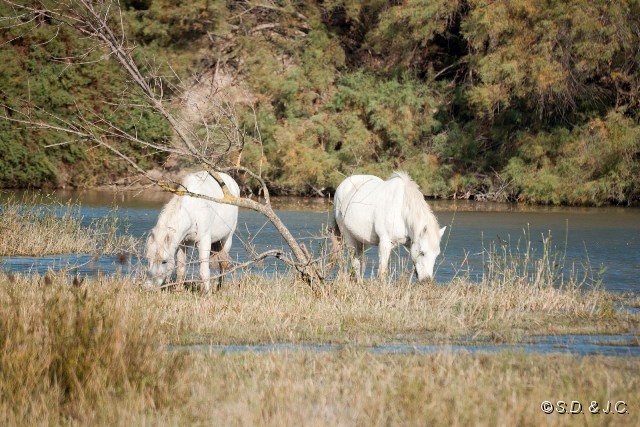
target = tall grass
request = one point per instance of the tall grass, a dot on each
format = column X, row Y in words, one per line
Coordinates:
column 31, row 229
column 524, row 289
column 354, row 387
column 522, row 263
column 255, row 309
column 65, row 346
column 93, row 353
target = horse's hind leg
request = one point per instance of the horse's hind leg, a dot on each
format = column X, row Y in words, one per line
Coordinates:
column 222, row 256
column 384, row 253
column 355, row 254
column 204, row 251
column 356, row 261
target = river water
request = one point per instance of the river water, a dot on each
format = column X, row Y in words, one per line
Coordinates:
column 607, row 239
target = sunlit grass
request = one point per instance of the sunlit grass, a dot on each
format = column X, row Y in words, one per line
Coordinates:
column 354, row 387
column 94, row 353
column 64, row 347
column 256, row 309
column 30, row 229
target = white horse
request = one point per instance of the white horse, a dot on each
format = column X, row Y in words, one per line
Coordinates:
column 187, row 219
column 371, row 212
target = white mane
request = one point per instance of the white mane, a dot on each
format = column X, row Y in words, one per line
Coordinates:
column 166, row 220
column 417, row 213
column 168, row 214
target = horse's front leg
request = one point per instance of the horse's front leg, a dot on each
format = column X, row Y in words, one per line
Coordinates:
column 356, row 260
column 204, row 251
column 181, row 267
column 384, row 253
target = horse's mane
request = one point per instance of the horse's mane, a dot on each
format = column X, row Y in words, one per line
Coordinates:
column 168, row 213
column 166, row 219
column 417, row 213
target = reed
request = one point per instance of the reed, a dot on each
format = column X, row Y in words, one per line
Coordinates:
column 29, row 228
column 93, row 352
column 255, row 309
column 523, row 289
column 444, row 389
column 64, row 346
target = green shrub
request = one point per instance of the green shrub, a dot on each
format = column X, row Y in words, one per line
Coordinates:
column 593, row 164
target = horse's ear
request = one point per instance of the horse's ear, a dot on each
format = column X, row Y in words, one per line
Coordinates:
column 442, row 230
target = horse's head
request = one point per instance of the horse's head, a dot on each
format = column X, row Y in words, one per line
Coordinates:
column 424, row 251
column 160, row 257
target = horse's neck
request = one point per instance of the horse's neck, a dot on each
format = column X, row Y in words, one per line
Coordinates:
column 417, row 215
column 172, row 218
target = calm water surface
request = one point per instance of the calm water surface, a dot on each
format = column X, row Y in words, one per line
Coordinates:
column 607, row 238
column 580, row 345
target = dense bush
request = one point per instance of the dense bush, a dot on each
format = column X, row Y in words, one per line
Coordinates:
column 502, row 100
column 594, row 163
column 36, row 66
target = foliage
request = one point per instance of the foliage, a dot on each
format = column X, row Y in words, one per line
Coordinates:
column 475, row 98
column 600, row 159
column 553, row 56
column 37, row 66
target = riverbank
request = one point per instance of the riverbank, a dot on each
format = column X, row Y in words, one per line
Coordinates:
column 152, row 197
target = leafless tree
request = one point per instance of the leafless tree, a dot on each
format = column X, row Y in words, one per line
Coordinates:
column 212, row 137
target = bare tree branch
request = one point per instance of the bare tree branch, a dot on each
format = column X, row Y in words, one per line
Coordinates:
column 102, row 22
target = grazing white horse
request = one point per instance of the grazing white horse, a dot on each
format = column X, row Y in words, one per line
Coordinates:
column 187, row 219
column 371, row 212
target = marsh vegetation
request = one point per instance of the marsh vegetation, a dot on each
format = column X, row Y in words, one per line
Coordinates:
column 30, row 228
column 93, row 351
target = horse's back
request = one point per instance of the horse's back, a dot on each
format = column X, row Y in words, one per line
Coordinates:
column 220, row 219
column 203, row 183
column 355, row 205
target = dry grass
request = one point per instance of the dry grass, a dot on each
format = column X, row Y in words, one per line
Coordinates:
column 360, row 388
column 92, row 353
column 30, row 229
column 255, row 309
column 521, row 293
column 64, row 347
column 258, row 309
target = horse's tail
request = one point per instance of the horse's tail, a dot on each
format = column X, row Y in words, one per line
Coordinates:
column 334, row 234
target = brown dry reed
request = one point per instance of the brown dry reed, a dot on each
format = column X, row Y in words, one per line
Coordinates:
column 65, row 347
column 95, row 354
column 29, row 228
